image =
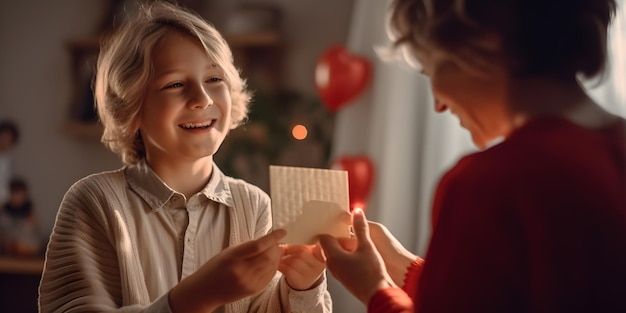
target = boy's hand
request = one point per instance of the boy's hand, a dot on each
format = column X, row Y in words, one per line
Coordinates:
column 302, row 265
column 236, row 272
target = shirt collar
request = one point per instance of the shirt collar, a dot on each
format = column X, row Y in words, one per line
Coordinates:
column 149, row 186
column 218, row 189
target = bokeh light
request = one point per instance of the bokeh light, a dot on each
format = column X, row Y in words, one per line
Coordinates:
column 299, row 132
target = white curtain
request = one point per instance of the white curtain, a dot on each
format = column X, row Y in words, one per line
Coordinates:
column 611, row 92
column 394, row 123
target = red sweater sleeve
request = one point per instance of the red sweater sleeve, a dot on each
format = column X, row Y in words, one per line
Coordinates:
column 534, row 224
column 390, row 300
column 396, row 300
column 411, row 280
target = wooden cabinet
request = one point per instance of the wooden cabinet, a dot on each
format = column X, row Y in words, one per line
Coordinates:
column 258, row 55
column 82, row 119
column 19, row 284
column 14, row 265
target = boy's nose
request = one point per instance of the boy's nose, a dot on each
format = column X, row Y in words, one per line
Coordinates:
column 201, row 99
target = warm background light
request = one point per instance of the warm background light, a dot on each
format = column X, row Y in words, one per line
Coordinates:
column 299, row 132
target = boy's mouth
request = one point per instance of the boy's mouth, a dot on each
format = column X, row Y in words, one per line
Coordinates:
column 206, row 124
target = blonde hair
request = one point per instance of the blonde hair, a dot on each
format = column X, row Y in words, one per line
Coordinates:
column 124, row 68
column 538, row 37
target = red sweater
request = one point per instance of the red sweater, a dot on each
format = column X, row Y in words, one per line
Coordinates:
column 534, row 224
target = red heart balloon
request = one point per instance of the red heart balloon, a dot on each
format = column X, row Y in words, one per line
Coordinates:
column 341, row 76
column 360, row 178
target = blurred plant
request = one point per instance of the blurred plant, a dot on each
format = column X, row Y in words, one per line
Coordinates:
column 267, row 137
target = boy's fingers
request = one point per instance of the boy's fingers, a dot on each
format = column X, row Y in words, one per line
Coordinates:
column 318, row 253
column 254, row 247
column 292, row 249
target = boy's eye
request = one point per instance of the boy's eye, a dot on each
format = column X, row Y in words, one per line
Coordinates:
column 174, row 85
column 214, row 80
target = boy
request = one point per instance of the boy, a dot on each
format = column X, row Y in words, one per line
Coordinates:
column 169, row 231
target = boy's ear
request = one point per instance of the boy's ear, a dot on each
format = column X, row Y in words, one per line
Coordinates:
column 135, row 123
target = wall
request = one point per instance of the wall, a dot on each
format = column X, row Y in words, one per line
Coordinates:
column 36, row 90
column 309, row 27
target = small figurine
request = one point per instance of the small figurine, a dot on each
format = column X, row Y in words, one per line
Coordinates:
column 9, row 136
column 19, row 223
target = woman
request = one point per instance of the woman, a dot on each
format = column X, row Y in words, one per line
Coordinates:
column 535, row 222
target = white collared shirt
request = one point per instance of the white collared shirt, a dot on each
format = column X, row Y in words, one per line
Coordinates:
column 124, row 239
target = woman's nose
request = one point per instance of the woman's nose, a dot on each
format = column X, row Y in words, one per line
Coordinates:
column 440, row 106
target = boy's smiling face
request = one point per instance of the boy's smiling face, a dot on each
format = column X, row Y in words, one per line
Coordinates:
column 186, row 112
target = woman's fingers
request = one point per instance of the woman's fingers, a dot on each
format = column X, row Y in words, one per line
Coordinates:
column 330, row 245
column 361, row 228
column 348, row 244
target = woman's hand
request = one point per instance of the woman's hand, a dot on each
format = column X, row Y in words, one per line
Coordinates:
column 357, row 265
column 302, row 265
column 397, row 258
column 236, row 272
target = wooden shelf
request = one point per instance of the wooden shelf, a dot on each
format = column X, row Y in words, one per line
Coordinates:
column 15, row 265
column 247, row 48
column 258, row 39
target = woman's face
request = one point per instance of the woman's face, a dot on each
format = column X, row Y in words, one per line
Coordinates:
column 477, row 99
